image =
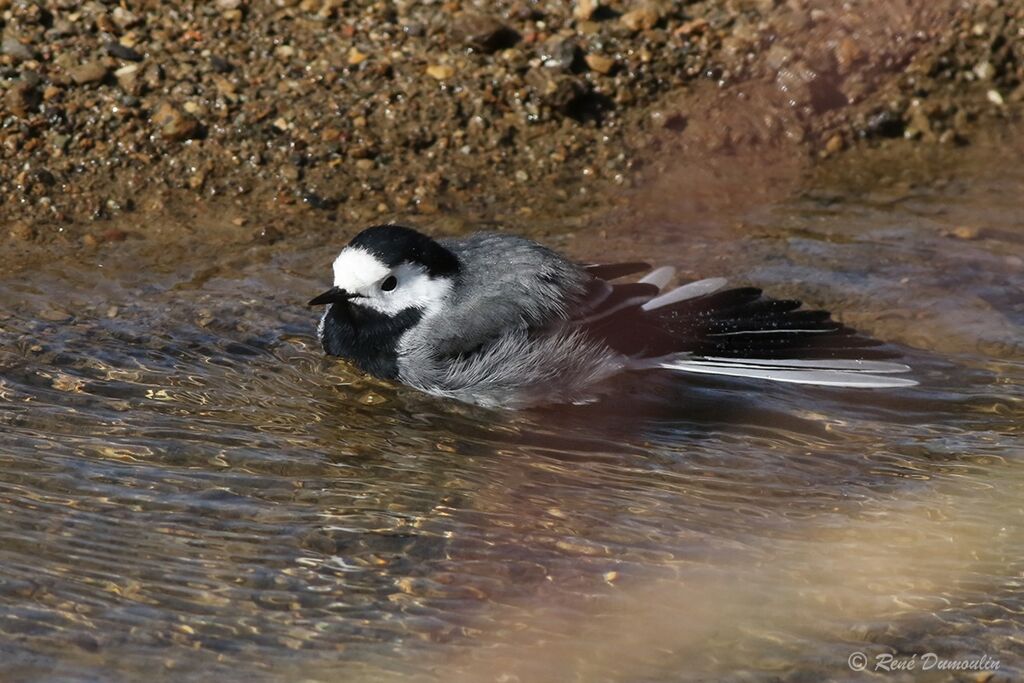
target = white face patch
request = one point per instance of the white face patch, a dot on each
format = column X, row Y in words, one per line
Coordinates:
column 356, row 269
column 359, row 272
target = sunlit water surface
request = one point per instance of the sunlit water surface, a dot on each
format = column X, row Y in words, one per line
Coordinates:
column 187, row 486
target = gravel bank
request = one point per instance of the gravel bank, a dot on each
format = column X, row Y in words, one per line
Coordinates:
column 357, row 110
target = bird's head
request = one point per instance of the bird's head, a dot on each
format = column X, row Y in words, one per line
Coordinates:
column 389, row 269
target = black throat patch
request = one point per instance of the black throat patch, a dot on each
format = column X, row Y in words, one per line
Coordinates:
column 366, row 337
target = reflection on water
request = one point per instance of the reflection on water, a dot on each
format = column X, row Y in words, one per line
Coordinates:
column 187, row 486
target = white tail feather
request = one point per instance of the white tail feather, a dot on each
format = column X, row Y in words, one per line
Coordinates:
column 659, row 277
column 771, row 331
column 878, row 367
column 688, row 291
column 829, row 373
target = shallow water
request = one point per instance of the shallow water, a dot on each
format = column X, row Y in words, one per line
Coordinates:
column 187, row 486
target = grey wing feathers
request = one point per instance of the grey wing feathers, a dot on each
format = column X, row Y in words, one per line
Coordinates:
column 520, row 369
column 505, row 337
column 505, row 282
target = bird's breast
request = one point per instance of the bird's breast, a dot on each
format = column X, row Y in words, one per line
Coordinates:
column 365, row 337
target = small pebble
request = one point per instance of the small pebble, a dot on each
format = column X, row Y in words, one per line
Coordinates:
column 984, row 71
column 174, row 124
column 600, row 63
column 127, row 76
column 355, row 57
column 641, row 19
column 441, row 72
column 691, row 27
column 125, row 18
column 585, row 9
column 22, row 99
column 121, row 52
column 17, row 49
column 54, row 314
column 966, row 232
column 834, row 144
column 22, row 232
column 91, row 72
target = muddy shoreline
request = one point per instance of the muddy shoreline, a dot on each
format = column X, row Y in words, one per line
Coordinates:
column 251, row 122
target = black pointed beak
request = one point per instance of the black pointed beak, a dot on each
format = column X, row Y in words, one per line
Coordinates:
column 334, row 295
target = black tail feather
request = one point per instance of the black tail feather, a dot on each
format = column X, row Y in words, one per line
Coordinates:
column 736, row 323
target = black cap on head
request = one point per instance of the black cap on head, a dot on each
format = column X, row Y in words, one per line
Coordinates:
column 394, row 244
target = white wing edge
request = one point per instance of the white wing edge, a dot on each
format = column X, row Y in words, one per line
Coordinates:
column 691, row 290
column 659, row 277
column 847, row 365
column 829, row 373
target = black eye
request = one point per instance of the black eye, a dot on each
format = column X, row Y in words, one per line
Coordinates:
column 390, row 282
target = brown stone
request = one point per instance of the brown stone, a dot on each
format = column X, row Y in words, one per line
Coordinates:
column 90, row 72
column 128, row 78
column 693, row 26
column 114, row 235
column 848, row 53
column 441, row 72
column 600, row 63
column 966, row 232
column 22, row 232
column 643, row 18
column 585, row 9
column 22, row 99
column 175, row 124
column 355, row 57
